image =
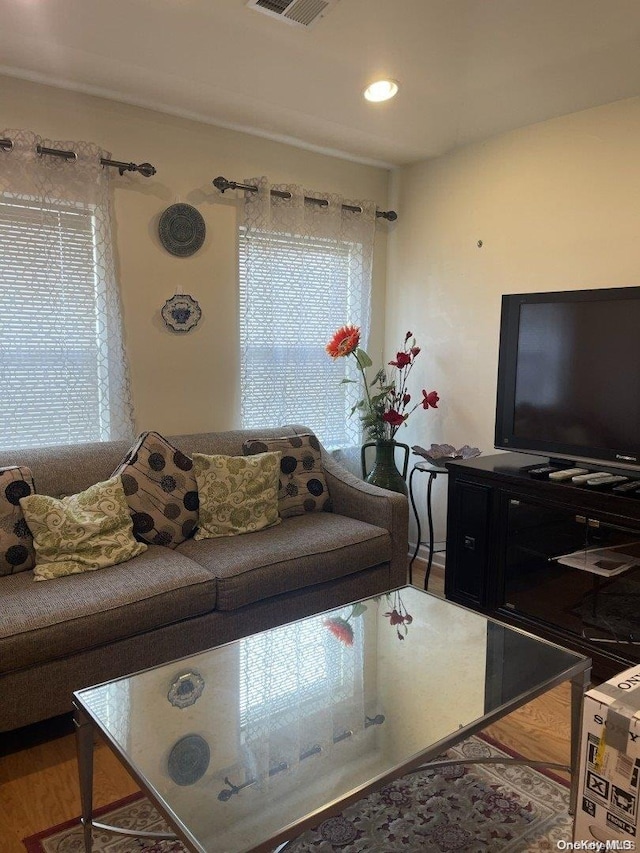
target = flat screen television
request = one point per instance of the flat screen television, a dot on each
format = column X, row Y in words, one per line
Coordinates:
column 569, row 376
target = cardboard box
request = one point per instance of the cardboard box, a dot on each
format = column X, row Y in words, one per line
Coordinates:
column 607, row 806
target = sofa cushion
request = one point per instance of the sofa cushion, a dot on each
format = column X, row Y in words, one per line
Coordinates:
column 302, row 486
column 302, row 551
column 48, row 621
column 16, row 543
column 237, row 494
column 80, row 533
column 161, row 490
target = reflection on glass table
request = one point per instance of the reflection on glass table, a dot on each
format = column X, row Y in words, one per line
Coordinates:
column 575, row 573
column 300, row 719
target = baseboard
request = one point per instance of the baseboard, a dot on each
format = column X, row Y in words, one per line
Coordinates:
column 439, row 559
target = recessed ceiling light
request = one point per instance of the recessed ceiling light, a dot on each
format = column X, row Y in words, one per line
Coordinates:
column 381, row 90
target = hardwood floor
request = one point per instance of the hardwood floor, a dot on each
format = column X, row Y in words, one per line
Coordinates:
column 38, row 780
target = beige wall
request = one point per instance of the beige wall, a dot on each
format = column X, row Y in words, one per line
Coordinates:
column 184, row 383
column 557, row 207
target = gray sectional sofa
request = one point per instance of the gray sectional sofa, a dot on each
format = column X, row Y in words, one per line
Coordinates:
column 60, row 635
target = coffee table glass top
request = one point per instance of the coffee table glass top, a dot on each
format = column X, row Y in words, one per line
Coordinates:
column 243, row 745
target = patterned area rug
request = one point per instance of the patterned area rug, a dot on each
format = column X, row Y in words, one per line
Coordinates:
column 470, row 808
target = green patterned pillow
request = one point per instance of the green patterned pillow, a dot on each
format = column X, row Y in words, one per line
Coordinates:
column 238, row 494
column 81, row 533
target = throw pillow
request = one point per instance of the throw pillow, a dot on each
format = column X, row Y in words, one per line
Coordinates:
column 16, row 543
column 238, row 494
column 303, row 486
column 161, row 491
column 80, row 533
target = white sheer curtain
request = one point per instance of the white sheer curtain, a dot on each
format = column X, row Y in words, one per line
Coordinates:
column 64, row 377
column 305, row 270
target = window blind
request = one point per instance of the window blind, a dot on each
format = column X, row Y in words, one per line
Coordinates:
column 53, row 381
column 296, row 667
column 294, row 293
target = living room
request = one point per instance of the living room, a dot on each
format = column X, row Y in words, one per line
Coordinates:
column 543, row 203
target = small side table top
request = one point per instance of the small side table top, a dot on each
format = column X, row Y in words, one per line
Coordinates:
column 424, row 467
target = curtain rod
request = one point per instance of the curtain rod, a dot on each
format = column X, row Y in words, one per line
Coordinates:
column 223, row 184
column 145, row 169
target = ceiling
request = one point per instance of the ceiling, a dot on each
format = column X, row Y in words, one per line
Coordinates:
column 468, row 69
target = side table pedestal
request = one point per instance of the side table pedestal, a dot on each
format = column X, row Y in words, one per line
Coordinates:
column 432, row 471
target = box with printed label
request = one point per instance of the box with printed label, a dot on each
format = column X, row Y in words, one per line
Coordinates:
column 607, row 806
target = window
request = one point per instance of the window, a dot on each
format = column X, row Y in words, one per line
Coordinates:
column 312, row 669
column 54, row 381
column 294, row 293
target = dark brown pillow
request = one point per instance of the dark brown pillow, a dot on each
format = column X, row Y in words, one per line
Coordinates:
column 16, row 542
column 161, row 491
column 303, row 486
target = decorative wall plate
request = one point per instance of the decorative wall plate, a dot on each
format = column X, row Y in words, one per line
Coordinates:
column 186, row 689
column 188, row 760
column 181, row 230
column 181, row 313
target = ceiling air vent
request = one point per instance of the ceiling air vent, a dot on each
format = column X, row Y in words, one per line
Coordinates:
column 301, row 13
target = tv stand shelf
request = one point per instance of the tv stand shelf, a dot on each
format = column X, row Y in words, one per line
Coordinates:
column 507, row 534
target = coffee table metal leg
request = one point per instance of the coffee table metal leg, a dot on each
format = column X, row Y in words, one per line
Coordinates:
column 84, row 746
column 579, row 684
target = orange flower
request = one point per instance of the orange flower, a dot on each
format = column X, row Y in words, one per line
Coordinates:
column 340, row 629
column 344, row 341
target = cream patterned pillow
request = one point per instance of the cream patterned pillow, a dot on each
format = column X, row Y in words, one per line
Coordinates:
column 238, row 494
column 80, row 533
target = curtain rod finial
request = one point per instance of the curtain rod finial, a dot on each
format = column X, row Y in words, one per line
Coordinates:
column 222, row 184
column 147, row 170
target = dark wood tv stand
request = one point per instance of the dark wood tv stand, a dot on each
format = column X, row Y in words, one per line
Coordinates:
column 508, row 536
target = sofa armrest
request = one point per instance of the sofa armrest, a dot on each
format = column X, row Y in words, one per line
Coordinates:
column 356, row 499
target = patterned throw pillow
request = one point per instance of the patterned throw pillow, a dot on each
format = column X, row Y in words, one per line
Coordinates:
column 81, row 533
column 161, row 491
column 303, row 486
column 16, row 543
column 238, row 494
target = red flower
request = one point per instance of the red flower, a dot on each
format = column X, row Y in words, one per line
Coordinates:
column 344, row 341
column 406, row 399
column 340, row 629
column 392, row 417
column 394, row 617
column 430, row 399
column 415, row 351
column 402, row 360
column 407, row 336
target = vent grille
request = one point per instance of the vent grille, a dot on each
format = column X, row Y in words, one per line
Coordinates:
column 301, row 13
column 276, row 6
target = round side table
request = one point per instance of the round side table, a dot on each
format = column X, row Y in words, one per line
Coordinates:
column 433, row 471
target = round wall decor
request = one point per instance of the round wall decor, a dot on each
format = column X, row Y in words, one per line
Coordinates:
column 181, row 230
column 185, row 689
column 181, row 313
column 188, row 760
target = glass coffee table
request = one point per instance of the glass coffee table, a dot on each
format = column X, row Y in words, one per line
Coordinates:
column 244, row 746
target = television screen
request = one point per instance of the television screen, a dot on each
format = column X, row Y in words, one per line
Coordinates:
column 569, row 375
